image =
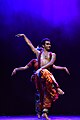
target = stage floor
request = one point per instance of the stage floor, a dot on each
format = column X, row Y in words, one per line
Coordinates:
column 35, row 118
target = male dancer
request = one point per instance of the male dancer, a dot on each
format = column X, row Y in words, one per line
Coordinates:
column 34, row 63
column 45, row 79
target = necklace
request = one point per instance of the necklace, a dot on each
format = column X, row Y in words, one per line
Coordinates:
column 45, row 56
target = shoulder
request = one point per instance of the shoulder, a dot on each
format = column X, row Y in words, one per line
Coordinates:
column 52, row 54
column 37, row 52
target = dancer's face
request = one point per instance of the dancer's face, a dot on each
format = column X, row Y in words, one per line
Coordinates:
column 47, row 45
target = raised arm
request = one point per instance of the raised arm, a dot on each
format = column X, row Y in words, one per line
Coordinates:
column 29, row 43
column 61, row 68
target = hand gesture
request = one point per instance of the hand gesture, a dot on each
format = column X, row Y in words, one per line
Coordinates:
column 14, row 72
column 67, row 70
column 19, row 35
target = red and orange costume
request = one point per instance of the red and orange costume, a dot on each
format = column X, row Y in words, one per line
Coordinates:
column 45, row 86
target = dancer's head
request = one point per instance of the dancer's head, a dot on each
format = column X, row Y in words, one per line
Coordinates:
column 46, row 43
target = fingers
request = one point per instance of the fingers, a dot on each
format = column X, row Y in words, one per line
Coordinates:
column 19, row 35
column 14, row 72
column 68, row 71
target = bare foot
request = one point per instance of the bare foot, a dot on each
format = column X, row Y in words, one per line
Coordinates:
column 38, row 115
column 45, row 116
column 60, row 91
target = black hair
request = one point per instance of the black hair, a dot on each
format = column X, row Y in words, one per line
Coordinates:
column 43, row 41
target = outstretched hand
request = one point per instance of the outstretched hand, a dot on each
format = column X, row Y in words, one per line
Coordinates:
column 19, row 35
column 67, row 70
column 14, row 72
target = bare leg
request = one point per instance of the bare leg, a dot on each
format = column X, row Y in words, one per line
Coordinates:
column 38, row 115
column 45, row 116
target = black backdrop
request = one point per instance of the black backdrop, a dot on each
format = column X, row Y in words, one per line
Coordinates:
column 17, row 93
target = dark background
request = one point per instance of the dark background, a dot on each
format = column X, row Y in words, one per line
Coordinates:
column 17, row 93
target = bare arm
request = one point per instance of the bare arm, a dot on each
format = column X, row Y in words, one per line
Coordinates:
column 30, row 64
column 61, row 68
column 20, row 68
column 58, row 67
column 29, row 43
